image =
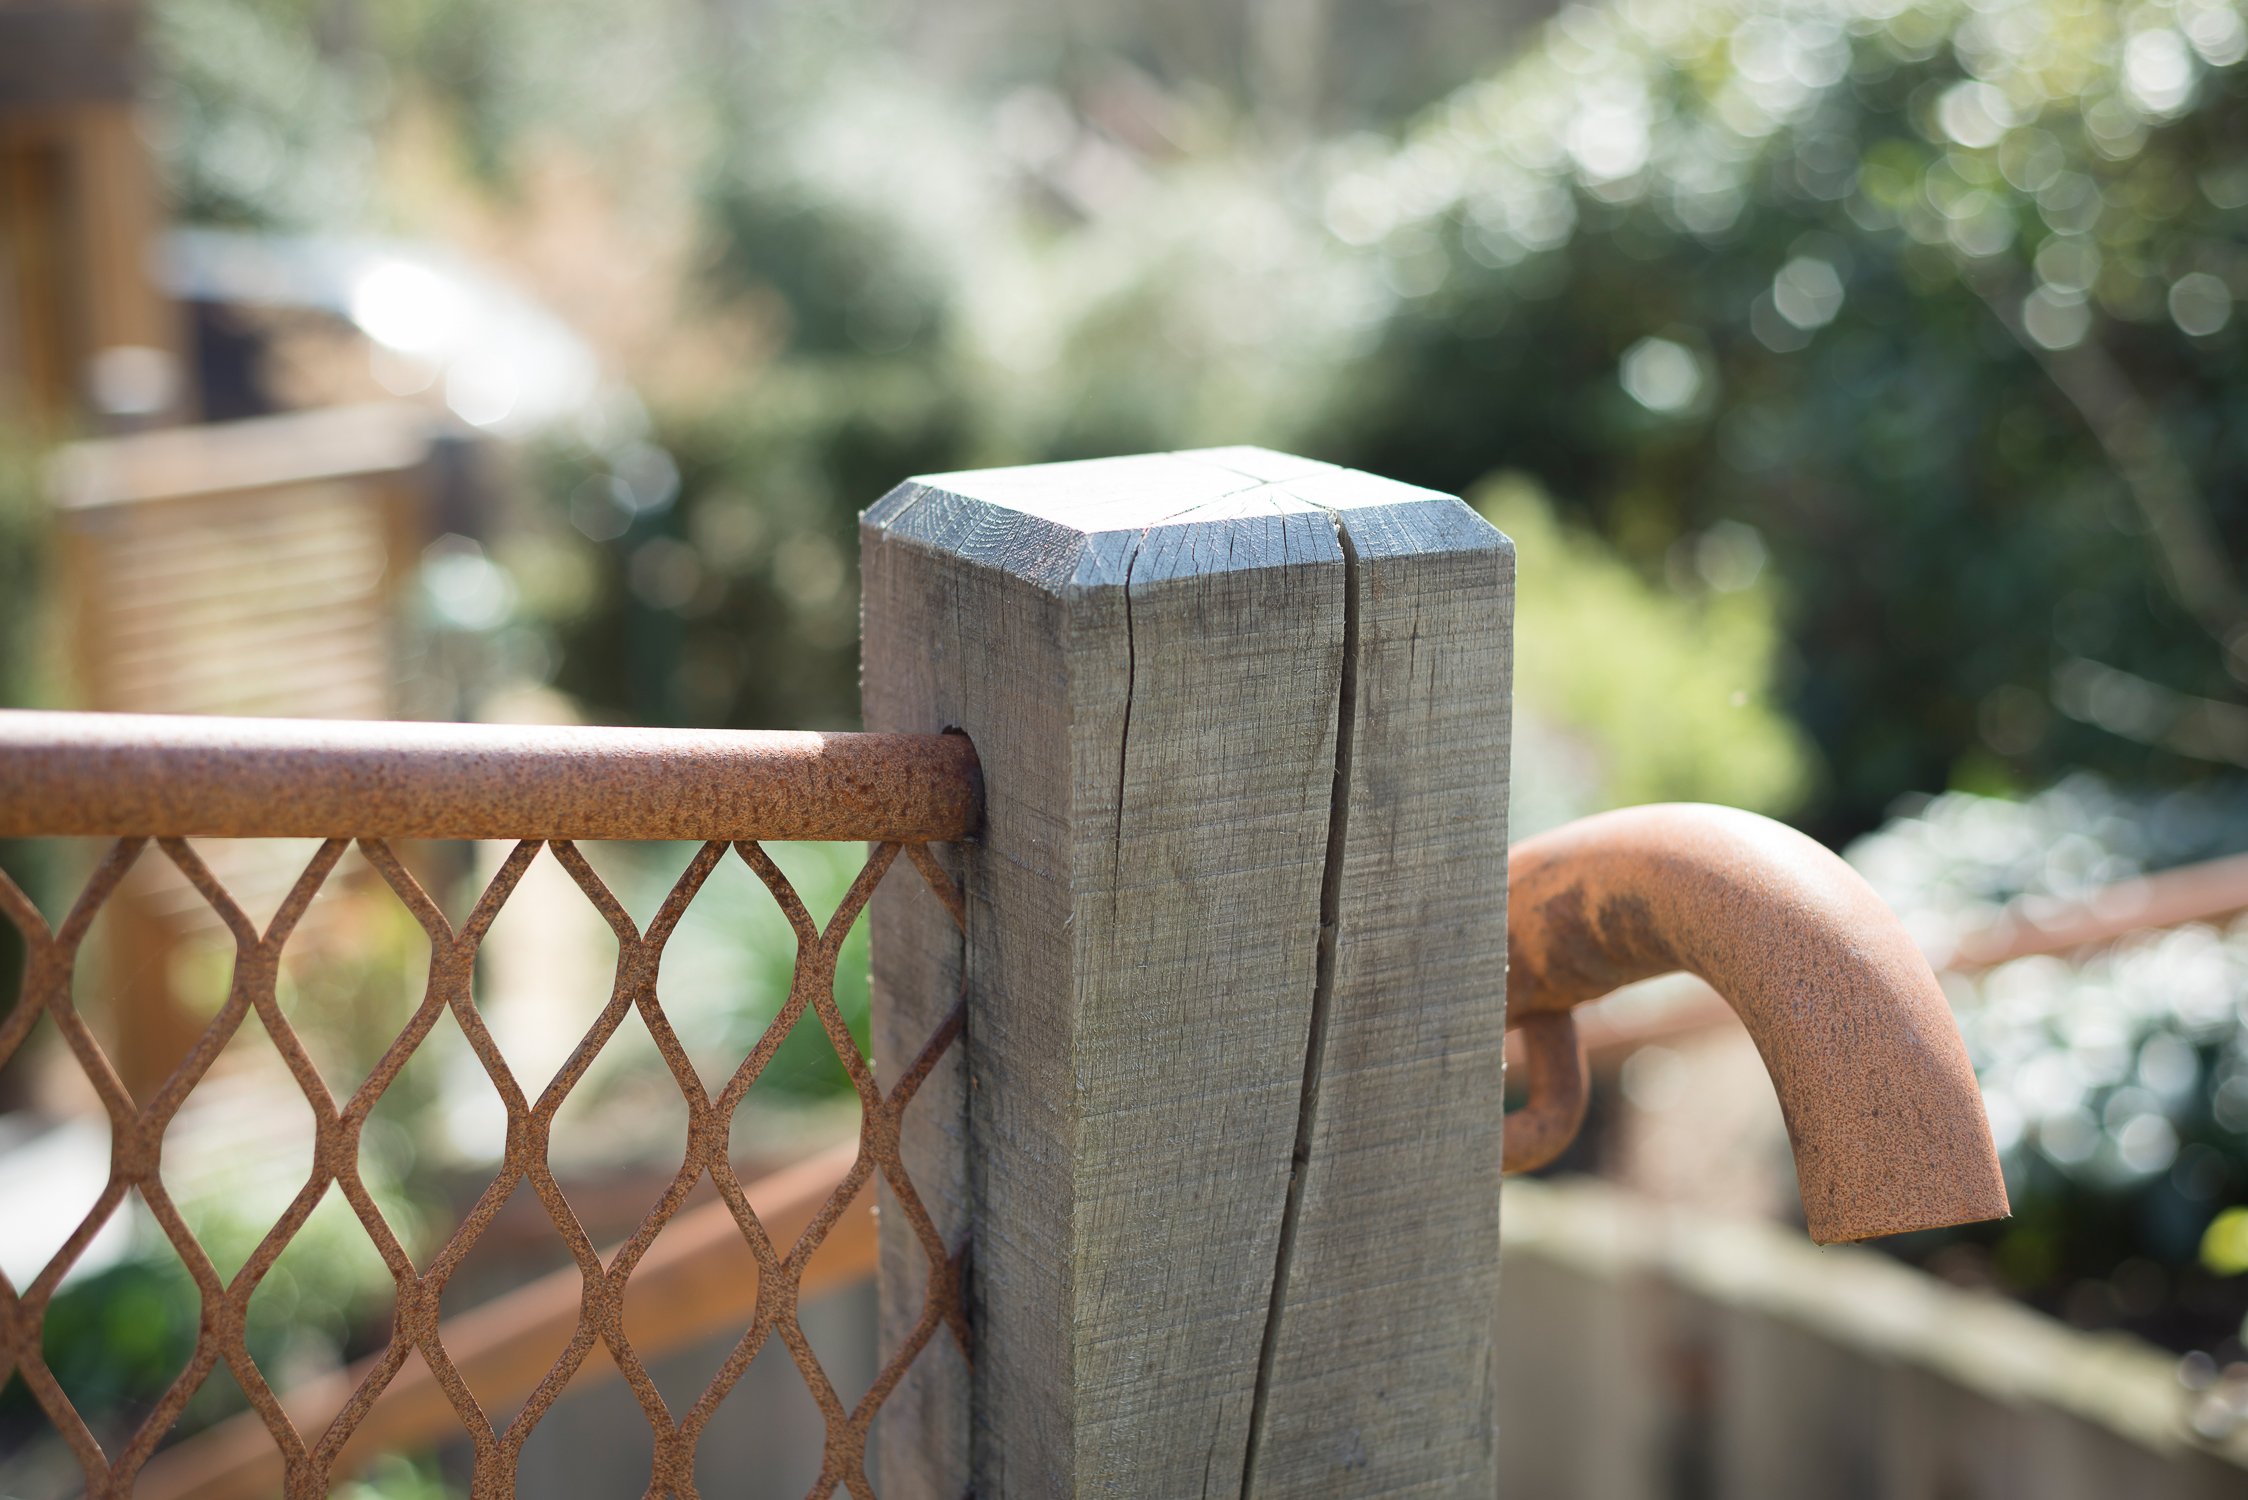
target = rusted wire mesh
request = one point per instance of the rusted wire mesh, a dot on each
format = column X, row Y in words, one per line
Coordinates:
column 310, row 1459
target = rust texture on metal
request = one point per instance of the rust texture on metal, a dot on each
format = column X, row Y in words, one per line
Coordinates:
column 1881, row 1101
column 166, row 776
column 1560, row 1087
column 2208, row 892
column 313, row 1435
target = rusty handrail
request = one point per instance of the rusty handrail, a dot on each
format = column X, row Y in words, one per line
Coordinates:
column 163, row 775
column 1881, row 1101
column 2106, row 914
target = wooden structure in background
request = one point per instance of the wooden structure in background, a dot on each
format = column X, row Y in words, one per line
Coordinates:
column 1237, row 927
column 1651, row 1351
column 244, row 568
column 79, row 214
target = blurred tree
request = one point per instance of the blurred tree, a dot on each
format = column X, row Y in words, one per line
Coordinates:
column 728, row 593
column 265, row 110
column 1296, row 65
column 1937, row 298
column 1628, row 693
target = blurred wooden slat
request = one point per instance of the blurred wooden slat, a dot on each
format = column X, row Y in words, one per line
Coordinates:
column 247, row 568
column 340, row 442
column 80, row 209
column 697, row 1279
column 240, row 568
column 1655, row 1351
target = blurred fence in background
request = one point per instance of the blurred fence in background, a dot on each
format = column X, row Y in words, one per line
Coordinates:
column 1727, row 1358
column 1660, row 1354
column 246, row 567
column 254, row 567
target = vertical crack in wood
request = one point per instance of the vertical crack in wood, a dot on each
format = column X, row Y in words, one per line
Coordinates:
column 1124, row 738
column 1322, row 995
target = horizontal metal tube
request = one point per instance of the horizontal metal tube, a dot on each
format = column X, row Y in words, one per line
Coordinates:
column 157, row 775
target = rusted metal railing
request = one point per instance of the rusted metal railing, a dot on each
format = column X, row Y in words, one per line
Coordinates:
column 157, row 776
column 2208, row 892
column 161, row 781
column 698, row 1281
column 1881, row 1101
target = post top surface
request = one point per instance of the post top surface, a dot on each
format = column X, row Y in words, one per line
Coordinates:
column 1202, row 484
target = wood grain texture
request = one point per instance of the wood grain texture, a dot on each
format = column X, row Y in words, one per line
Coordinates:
column 1382, row 1375
column 1149, row 655
column 917, row 965
column 1148, row 666
column 924, row 665
column 920, row 1441
column 1816, row 1372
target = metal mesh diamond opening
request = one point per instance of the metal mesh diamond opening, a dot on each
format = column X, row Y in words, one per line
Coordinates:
column 320, row 1431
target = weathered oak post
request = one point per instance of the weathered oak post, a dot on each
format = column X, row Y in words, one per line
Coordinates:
column 1228, row 1135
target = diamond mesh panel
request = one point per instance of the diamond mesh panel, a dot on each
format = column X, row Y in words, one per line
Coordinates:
column 310, row 1458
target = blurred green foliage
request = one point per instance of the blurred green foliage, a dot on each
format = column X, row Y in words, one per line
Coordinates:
column 395, row 1476
column 2224, row 1244
column 2116, row 1084
column 266, row 110
column 116, row 1340
column 1670, row 695
column 1935, row 298
column 730, row 966
column 1918, row 276
column 733, row 601
column 1947, row 295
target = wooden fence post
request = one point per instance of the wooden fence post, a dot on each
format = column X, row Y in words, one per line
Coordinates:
column 1228, row 1142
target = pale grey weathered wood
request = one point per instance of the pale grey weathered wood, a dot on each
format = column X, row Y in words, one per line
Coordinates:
column 1154, row 701
column 1149, row 654
column 921, row 1438
column 1394, row 1262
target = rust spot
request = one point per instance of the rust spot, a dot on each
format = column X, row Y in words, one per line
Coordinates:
column 1634, row 937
